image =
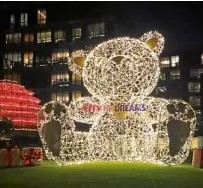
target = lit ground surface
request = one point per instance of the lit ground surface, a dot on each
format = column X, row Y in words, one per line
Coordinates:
column 105, row 175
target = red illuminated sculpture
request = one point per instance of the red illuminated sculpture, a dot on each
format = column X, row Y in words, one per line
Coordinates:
column 18, row 105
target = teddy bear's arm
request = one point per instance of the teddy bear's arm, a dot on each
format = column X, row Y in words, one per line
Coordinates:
column 85, row 109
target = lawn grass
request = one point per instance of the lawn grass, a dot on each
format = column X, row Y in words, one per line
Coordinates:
column 102, row 175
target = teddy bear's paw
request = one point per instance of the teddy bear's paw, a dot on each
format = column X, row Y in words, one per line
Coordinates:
column 53, row 122
column 175, row 134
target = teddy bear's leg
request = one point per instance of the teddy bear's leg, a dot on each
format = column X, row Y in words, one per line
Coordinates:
column 175, row 133
column 144, row 132
column 75, row 146
column 110, row 138
column 52, row 122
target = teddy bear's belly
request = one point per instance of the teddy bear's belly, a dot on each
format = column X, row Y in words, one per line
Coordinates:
column 129, row 139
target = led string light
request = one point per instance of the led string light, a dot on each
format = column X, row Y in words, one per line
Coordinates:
column 120, row 71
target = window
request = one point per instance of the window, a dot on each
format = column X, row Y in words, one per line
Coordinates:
column 24, row 19
column 28, row 59
column 59, row 36
column 196, row 72
column 59, row 78
column 43, row 60
column 76, row 95
column 12, row 21
column 198, row 116
column 96, row 30
column 162, row 76
column 29, row 38
column 194, row 87
column 60, row 96
column 17, row 38
column 13, row 77
column 41, row 16
column 200, row 71
column 60, row 57
column 175, row 75
column 76, row 33
column 165, row 62
column 76, row 79
column 11, row 59
column 43, row 37
column 13, row 38
column 174, row 61
column 194, row 100
column 202, row 59
column 160, row 89
column 9, row 38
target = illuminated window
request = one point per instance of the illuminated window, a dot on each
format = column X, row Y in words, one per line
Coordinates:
column 194, row 100
column 160, row 89
column 174, row 61
column 59, row 36
column 60, row 56
column 198, row 115
column 43, row 60
column 202, row 59
column 13, row 38
column 41, row 16
column 194, row 87
column 162, row 76
column 96, row 30
column 24, row 19
column 196, row 72
column 29, row 38
column 28, row 59
column 76, row 79
column 11, row 59
column 60, row 96
column 12, row 21
column 59, row 78
column 200, row 71
column 9, row 38
column 165, row 62
column 13, row 77
column 76, row 95
column 175, row 75
column 43, row 37
column 17, row 38
column 76, row 33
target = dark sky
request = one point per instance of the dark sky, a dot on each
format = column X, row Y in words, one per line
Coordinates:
column 180, row 22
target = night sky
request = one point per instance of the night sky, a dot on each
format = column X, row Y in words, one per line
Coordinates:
column 180, row 22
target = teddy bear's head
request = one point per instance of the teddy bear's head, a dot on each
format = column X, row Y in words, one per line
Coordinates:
column 124, row 66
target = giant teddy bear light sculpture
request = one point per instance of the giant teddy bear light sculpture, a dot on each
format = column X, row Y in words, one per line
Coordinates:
column 119, row 71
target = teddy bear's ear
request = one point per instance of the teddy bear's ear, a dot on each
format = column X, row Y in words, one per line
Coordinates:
column 154, row 41
column 77, row 60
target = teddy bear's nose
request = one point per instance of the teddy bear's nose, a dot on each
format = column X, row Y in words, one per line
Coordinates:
column 118, row 59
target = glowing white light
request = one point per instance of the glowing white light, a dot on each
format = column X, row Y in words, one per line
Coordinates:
column 121, row 70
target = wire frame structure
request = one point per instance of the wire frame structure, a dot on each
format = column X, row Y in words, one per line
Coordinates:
column 18, row 105
column 120, row 71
